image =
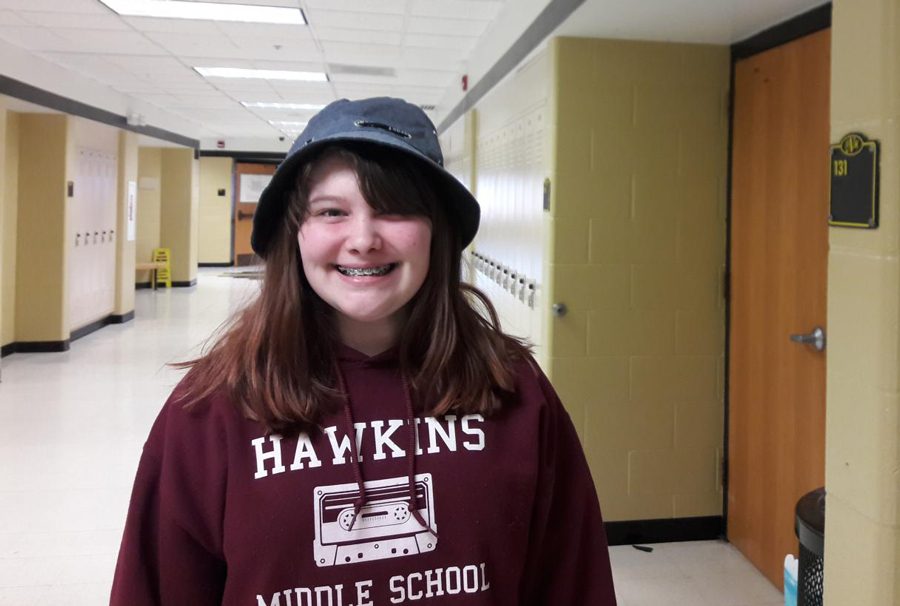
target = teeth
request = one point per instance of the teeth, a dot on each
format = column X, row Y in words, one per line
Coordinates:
column 365, row 271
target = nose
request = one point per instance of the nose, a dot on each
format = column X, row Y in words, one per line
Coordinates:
column 364, row 234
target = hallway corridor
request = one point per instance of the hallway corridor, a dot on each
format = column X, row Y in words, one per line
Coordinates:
column 71, row 430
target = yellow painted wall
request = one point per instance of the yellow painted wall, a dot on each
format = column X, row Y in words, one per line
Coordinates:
column 9, row 209
column 41, row 304
column 3, row 153
column 127, row 153
column 862, row 444
column 180, row 195
column 637, row 255
column 148, row 205
column 214, row 228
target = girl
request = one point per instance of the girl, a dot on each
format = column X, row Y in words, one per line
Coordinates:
column 363, row 433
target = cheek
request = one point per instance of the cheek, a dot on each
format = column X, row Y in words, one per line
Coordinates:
column 311, row 244
column 418, row 238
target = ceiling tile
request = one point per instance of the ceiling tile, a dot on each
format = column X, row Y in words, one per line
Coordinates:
column 110, row 42
column 146, row 65
column 36, row 39
column 458, row 44
column 365, row 21
column 396, row 7
column 300, row 92
column 281, row 3
column 359, row 36
column 428, row 78
column 427, row 58
column 11, row 18
column 265, row 31
column 276, row 50
column 361, row 54
column 445, row 26
column 174, row 26
column 217, row 45
column 239, row 85
column 68, row 20
column 484, row 10
column 205, row 102
column 53, row 6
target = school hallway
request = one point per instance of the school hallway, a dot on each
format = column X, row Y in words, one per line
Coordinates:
column 72, row 426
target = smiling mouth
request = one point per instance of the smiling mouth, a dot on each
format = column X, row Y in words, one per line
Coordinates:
column 356, row 272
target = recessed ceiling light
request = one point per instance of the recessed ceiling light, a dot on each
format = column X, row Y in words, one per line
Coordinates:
column 263, row 74
column 212, row 11
column 264, row 105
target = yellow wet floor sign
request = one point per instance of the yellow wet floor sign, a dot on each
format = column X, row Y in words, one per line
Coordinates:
column 163, row 275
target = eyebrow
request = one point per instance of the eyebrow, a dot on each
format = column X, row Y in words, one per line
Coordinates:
column 325, row 198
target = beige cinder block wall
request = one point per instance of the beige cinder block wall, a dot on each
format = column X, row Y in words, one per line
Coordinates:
column 214, row 229
column 862, row 444
column 9, row 203
column 3, row 153
column 148, row 205
column 179, row 203
column 127, row 157
column 41, row 276
column 637, row 256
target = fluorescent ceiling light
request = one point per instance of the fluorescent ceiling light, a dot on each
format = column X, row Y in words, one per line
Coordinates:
column 263, row 105
column 262, row 74
column 211, row 11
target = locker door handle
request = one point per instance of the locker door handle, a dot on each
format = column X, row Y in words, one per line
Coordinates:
column 816, row 338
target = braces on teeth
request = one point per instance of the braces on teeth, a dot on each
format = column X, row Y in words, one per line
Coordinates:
column 367, row 271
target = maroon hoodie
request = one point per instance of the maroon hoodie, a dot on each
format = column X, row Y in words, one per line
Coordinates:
column 496, row 511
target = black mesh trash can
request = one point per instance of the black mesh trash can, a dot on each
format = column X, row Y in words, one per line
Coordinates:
column 810, row 529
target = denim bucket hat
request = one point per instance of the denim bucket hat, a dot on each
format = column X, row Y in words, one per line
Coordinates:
column 391, row 124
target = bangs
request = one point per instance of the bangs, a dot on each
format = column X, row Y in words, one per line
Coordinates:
column 391, row 182
column 394, row 184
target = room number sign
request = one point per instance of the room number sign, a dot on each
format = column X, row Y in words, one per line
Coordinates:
column 854, row 182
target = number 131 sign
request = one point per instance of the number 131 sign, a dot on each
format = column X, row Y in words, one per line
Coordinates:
column 854, row 182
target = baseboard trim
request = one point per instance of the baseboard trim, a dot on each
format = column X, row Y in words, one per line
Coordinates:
column 57, row 346
column 141, row 285
column 228, row 264
column 668, row 530
column 187, row 284
column 89, row 328
column 121, row 318
column 42, row 346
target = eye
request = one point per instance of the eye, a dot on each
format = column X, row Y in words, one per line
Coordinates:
column 329, row 212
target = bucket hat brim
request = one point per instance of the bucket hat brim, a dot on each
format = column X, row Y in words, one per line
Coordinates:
column 461, row 206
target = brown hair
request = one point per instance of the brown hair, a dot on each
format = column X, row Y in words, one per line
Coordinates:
column 276, row 357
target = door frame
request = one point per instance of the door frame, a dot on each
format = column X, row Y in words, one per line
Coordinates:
column 810, row 22
column 244, row 157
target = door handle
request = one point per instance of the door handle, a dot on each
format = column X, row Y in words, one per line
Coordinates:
column 816, row 338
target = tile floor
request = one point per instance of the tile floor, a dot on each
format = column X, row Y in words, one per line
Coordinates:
column 71, row 430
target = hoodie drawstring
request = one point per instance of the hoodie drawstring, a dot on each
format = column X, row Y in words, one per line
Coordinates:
column 351, row 435
column 362, row 499
column 411, row 460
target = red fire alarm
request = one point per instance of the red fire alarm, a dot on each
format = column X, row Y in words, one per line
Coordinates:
column 220, row 144
column 465, row 82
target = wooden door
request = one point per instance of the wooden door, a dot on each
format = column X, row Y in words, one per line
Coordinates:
column 250, row 179
column 779, row 248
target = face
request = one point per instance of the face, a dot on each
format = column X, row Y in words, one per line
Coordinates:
column 364, row 264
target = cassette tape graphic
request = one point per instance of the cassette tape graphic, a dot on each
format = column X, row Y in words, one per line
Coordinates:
column 385, row 526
